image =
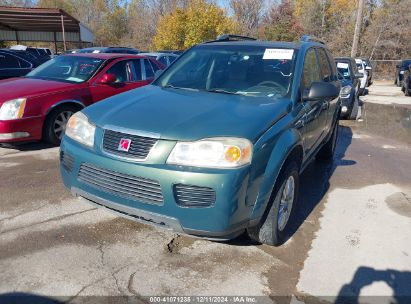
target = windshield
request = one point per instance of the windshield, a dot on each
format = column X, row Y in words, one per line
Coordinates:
column 343, row 69
column 67, row 68
column 233, row 69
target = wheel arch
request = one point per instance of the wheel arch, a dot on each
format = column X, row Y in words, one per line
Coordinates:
column 78, row 104
column 56, row 105
column 291, row 147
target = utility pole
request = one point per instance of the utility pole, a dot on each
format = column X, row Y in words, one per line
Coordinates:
column 357, row 28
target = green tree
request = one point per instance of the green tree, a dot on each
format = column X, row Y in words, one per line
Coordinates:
column 185, row 27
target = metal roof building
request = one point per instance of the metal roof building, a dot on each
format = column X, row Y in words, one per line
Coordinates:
column 42, row 24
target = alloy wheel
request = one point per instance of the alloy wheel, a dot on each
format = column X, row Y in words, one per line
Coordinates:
column 286, row 203
column 60, row 123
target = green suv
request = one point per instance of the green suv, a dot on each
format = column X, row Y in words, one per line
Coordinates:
column 215, row 145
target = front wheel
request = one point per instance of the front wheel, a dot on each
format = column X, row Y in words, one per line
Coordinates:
column 56, row 122
column 272, row 230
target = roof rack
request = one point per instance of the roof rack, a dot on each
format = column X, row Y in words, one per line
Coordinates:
column 228, row 37
column 307, row 38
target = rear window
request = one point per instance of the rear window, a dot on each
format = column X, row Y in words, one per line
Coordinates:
column 343, row 69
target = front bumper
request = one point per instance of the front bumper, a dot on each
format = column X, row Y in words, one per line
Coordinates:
column 18, row 130
column 225, row 219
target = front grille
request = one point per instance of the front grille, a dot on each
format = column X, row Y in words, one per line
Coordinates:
column 194, row 196
column 124, row 185
column 139, row 147
column 67, row 161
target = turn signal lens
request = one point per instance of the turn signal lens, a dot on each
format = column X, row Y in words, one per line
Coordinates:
column 233, row 154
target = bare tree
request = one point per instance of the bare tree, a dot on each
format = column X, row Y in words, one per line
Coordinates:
column 248, row 15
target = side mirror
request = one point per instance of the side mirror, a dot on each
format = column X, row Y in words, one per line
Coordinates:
column 368, row 68
column 319, row 90
column 107, row 79
column 359, row 75
column 398, row 66
column 157, row 74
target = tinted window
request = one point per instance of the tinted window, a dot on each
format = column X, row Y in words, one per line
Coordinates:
column 136, row 69
column 163, row 60
column 8, row 62
column 33, row 52
column 148, row 68
column 324, row 65
column 24, row 64
column 250, row 70
column 67, row 68
column 154, row 66
column 121, row 70
column 311, row 72
column 42, row 52
column 172, row 58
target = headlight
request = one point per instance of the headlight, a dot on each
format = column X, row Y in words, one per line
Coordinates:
column 219, row 152
column 80, row 129
column 345, row 90
column 12, row 109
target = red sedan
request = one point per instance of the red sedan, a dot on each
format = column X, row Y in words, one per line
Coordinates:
column 38, row 105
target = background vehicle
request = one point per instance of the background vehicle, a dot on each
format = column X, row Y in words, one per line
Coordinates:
column 13, row 65
column 406, row 81
column 38, row 106
column 399, row 71
column 48, row 52
column 164, row 58
column 215, row 145
column 119, row 50
column 368, row 68
column 40, row 54
column 25, row 55
column 364, row 79
column 349, row 77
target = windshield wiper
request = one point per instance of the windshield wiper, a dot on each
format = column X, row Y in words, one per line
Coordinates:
column 170, row 86
column 221, row 91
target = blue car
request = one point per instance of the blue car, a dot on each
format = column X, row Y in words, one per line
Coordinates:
column 215, row 145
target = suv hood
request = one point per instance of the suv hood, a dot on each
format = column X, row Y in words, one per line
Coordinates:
column 188, row 115
column 26, row 87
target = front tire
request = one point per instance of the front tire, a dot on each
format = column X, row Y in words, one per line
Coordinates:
column 56, row 122
column 272, row 230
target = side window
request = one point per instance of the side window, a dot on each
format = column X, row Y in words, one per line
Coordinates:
column 136, row 69
column 8, row 62
column 324, row 65
column 163, row 60
column 148, row 69
column 172, row 58
column 311, row 70
column 154, row 66
column 121, row 71
column 24, row 64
